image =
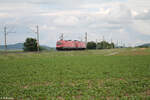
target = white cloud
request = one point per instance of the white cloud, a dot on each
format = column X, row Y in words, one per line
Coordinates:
column 97, row 17
column 66, row 20
column 142, row 26
column 141, row 14
column 139, row 5
column 46, row 27
column 145, row 15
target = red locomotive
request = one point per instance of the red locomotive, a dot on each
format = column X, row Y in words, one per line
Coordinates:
column 70, row 45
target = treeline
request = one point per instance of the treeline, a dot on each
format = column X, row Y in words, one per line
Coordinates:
column 100, row 45
column 31, row 45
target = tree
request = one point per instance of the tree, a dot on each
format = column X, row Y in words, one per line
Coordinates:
column 30, row 44
column 112, row 45
column 105, row 45
column 91, row 45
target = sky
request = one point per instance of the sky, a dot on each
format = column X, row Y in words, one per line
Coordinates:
column 125, row 21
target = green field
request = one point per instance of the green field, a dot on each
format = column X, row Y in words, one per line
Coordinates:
column 117, row 74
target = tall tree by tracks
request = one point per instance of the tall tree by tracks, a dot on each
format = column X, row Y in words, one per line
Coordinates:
column 30, row 45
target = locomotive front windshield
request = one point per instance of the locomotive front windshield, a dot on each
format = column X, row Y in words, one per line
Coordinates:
column 59, row 43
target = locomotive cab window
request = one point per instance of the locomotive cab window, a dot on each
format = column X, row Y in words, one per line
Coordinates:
column 59, row 43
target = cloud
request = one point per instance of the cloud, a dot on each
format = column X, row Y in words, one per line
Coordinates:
column 117, row 19
column 48, row 3
column 142, row 26
column 66, row 20
column 145, row 15
column 139, row 5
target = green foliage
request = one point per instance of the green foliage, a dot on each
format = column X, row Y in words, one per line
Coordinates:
column 91, row 45
column 100, row 45
column 42, row 48
column 105, row 45
column 76, row 75
column 30, row 44
column 144, row 46
column 112, row 45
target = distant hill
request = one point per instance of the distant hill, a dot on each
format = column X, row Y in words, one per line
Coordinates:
column 19, row 46
column 147, row 45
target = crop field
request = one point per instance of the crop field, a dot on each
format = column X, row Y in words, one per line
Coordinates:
column 116, row 74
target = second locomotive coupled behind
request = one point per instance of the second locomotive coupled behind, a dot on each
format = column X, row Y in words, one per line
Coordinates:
column 70, row 45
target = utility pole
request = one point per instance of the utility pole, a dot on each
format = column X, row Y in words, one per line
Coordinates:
column 111, row 43
column 111, row 40
column 37, row 32
column 96, row 43
column 103, row 38
column 103, row 42
column 62, row 36
column 5, row 35
column 86, row 39
column 117, row 44
column 121, row 43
